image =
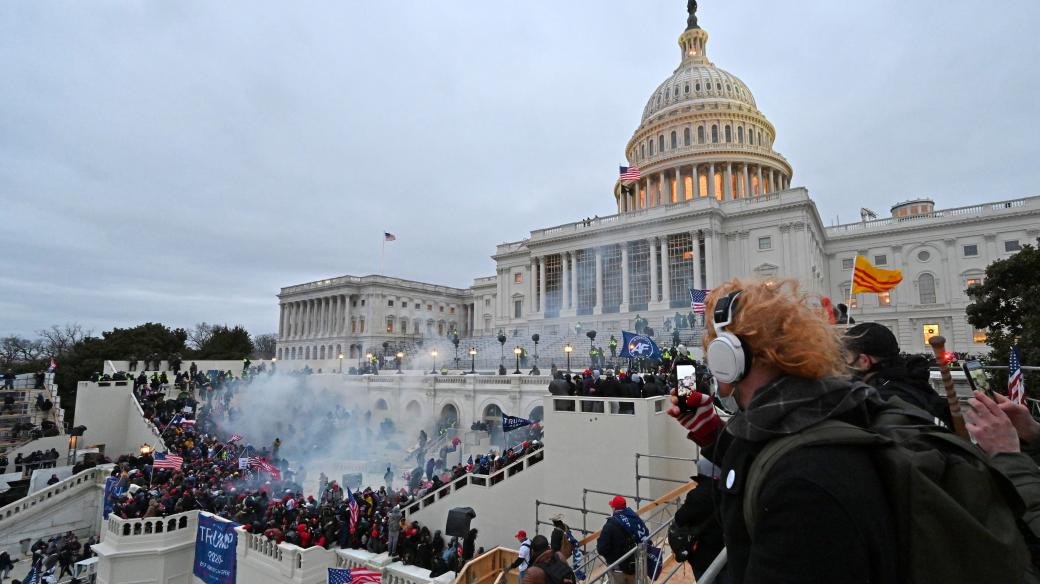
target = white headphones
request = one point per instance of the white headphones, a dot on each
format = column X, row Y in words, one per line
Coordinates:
column 728, row 358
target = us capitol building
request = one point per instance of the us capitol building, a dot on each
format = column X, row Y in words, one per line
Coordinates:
column 714, row 200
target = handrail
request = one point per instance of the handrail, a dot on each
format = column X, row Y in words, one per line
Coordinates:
column 88, row 477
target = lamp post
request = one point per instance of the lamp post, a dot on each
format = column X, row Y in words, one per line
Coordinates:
column 567, row 351
column 502, row 357
column 400, row 357
column 472, row 360
column 145, row 449
column 433, row 354
column 341, row 363
column 517, row 352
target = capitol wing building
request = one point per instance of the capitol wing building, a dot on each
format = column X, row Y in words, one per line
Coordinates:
column 714, row 201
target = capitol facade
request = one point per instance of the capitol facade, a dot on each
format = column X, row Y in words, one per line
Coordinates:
column 714, row 201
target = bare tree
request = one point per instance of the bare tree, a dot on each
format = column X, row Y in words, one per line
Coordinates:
column 199, row 335
column 59, row 340
column 11, row 348
column 264, row 346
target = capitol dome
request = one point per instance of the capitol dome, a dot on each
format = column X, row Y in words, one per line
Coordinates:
column 701, row 135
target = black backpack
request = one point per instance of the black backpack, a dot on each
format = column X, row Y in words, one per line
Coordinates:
column 955, row 515
column 557, row 571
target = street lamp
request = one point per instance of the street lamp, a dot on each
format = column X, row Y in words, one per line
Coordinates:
column 433, row 354
column 145, row 449
column 341, row 363
column 567, row 350
column 517, row 352
column 400, row 357
column 472, row 359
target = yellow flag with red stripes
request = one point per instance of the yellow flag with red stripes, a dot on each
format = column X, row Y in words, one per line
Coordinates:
column 868, row 278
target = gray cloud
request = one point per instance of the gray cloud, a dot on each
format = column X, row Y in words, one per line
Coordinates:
column 179, row 162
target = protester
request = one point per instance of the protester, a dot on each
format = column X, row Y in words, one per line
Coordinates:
column 523, row 555
column 622, row 531
column 872, row 355
column 830, row 496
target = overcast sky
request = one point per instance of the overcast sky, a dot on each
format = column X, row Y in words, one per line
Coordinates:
column 181, row 161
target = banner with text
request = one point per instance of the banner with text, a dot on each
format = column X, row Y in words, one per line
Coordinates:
column 215, row 549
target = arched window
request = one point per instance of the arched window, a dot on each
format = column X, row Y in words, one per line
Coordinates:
column 714, row 134
column 651, row 147
column 642, row 150
column 675, row 141
column 660, row 143
column 926, row 288
column 676, row 91
column 697, row 87
column 760, row 137
column 322, row 352
column 687, row 88
column 718, row 87
column 740, row 134
column 686, row 136
column 307, row 353
column 729, row 134
column 700, row 134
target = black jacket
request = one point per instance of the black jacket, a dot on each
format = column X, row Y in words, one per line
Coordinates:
column 911, row 385
column 822, row 512
column 698, row 510
column 615, row 542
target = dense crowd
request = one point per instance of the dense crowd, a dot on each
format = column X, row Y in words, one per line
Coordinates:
column 268, row 498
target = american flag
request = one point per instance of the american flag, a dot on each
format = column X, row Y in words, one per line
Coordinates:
column 261, row 463
column 354, row 576
column 389, row 236
column 697, row 298
column 166, row 460
column 629, row 172
column 355, row 511
column 234, row 438
column 1016, row 387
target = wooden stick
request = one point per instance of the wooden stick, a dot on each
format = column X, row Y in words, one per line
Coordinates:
column 938, row 344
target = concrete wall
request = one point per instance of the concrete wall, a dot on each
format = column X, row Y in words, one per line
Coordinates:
column 113, row 419
column 73, row 504
column 145, row 551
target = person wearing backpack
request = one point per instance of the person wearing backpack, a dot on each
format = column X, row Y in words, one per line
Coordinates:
column 622, row 531
column 801, row 496
column 547, row 566
column 523, row 555
column 872, row 355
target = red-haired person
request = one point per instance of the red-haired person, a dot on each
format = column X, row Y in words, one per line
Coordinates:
column 821, row 515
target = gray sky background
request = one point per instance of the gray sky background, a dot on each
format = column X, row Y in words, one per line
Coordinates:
column 180, row 161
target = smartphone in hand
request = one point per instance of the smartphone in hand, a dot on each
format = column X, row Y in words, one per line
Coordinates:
column 686, row 384
column 977, row 377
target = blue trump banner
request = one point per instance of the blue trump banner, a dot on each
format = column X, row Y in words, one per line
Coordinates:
column 510, row 423
column 636, row 346
column 215, row 548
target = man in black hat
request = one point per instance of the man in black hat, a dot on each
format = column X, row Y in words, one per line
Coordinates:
column 872, row 355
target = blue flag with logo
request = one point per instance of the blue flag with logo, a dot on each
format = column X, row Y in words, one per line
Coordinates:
column 636, row 346
column 215, row 549
column 510, row 423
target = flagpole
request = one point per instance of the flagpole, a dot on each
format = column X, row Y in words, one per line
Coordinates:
column 382, row 250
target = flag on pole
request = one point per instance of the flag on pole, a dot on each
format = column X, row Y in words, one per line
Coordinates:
column 867, row 278
column 53, row 367
column 635, row 346
column 234, row 438
column 35, row 575
column 510, row 423
column 387, row 236
column 354, row 576
column 629, row 173
column 166, row 460
column 697, row 298
column 1016, row 387
column 355, row 510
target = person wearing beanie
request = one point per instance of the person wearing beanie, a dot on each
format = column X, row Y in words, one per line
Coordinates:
column 821, row 515
column 872, row 356
column 622, row 531
column 546, row 559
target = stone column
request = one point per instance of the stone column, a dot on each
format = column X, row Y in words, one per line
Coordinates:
column 297, row 313
column 624, row 276
column 727, row 186
column 710, row 251
column 532, row 285
column 666, row 289
column 599, row 281
column 761, row 190
column 307, row 319
column 680, row 184
column 711, row 180
column 746, row 190
column 542, row 286
column 574, row 280
column 695, row 238
column 653, row 269
column 565, row 288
